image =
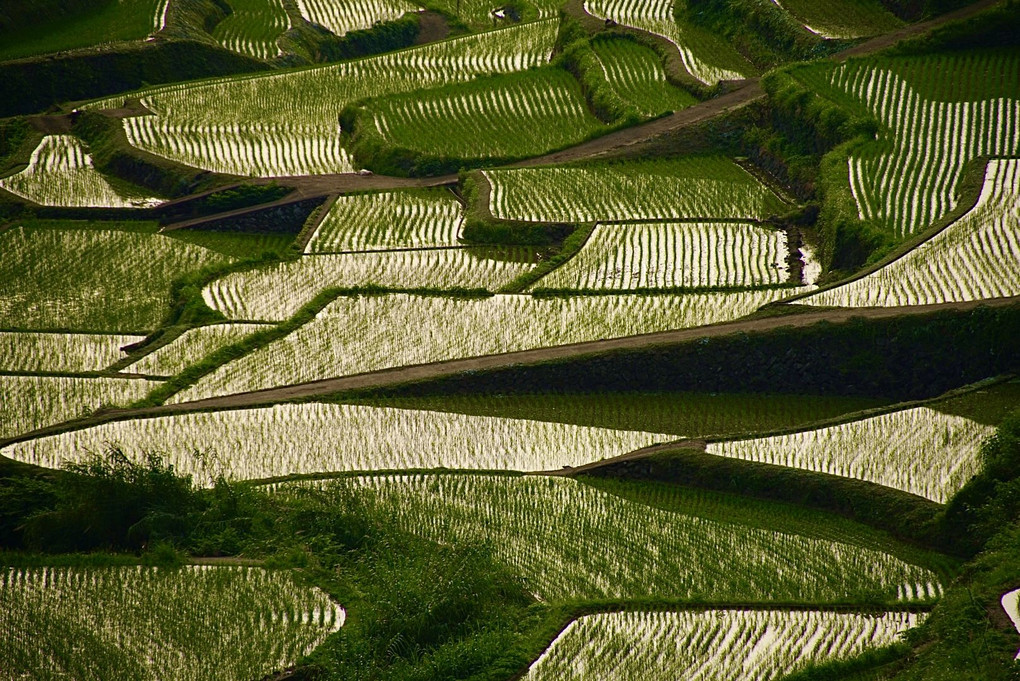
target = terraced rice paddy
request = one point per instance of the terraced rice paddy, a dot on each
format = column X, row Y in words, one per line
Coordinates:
column 341, row 16
column 423, row 218
column 920, row 451
column 60, row 173
column 975, row 258
column 90, row 276
column 253, row 27
column 483, row 14
column 192, row 346
column 357, row 334
column 681, row 255
column 1011, row 604
column 197, row 622
column 689, row 415
column 707, row 57
column 276, row 292
column 907, row 180
column 574, row 542
column 684, row 189
column 286, row 123
column 829, row 19
column 323, row 438
column 61, row 352
column 508, row 117
column 31, row 402
column 711, row 645
column 635, row 72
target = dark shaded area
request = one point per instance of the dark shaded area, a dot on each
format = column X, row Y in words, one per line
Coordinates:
column 913, row 357
column 37, row 83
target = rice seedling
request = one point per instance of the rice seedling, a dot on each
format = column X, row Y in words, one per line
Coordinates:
column 674, row 189
column 60, row 173
column 712, row 645
column 190, row 347
column 920, row 451
column 635, row 72
column 60, row 352
column 841, row 19
column 675, row 255
column 977, row 257
column 356, row 334
column 419, row 218
column 31, row 402
column 253, row 27
column 706, row 56
column 275, row 292
column 324, row 438
column 196, row 622
column 509, row 117
column 1011, row 604
column 287, row 123
column 341, row 16
column 574, row 542
column 907, row 180
column 108, row 277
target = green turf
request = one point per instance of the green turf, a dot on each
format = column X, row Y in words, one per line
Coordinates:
column 118, row 20
column 234, row 244
column 682, row 414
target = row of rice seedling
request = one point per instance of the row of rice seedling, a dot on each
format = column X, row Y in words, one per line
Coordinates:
column 417, row 218
column 159, row 17
column 920, row 451
column 975, row 258
column 60, row 173
column 355, row 334
column 60, row 352
column 253, row 27
column 512, row 116
column 909, row 181
column 275, row 292
column 574, row 542
column 675, row 255
column 31, row 402
column 712, row 645
column 707, row 57
column 846, row 20
column 325, row 438
column 341, row 16
column 1011, row 604
column 256, row 149
column 196, row 622
column 287, row 123
column 677, row 189
column 191, row 347
column 635, row 72
column 94, row 278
